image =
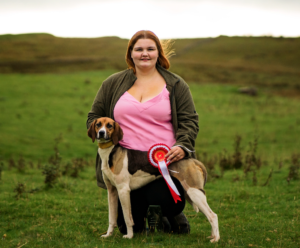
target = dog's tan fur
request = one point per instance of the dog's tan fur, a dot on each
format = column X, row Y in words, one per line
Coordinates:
column 190, row 172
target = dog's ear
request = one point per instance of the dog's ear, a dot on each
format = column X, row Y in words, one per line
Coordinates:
column 117, row 134
column 91, row 132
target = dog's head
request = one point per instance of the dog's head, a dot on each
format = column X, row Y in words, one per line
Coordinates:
column 105, row 130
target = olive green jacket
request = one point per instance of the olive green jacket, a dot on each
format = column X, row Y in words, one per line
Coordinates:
column 184, row 116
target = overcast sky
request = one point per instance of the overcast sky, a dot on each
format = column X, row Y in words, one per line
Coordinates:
column 166, row 18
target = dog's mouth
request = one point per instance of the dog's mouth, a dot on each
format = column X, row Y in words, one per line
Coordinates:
column 103, row 140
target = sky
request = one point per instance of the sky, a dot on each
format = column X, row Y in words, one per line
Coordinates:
column 166, row 18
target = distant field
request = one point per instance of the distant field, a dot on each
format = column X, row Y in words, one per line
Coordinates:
column 259, row 208
column 252, row 61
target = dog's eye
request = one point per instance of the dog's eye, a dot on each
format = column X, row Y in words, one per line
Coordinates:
column 98, row 124
column 109, row 125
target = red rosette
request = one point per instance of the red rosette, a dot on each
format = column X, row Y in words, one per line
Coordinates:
column 157, row 154
column 156, row 157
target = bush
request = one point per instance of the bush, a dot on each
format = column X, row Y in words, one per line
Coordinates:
column 294, row 168
column 19, row 189
column 52, row 170
column 51, row 173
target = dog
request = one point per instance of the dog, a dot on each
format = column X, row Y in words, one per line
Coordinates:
column 125, row 170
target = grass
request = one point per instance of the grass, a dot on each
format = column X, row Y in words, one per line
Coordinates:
column 223, row 113
column 74, row 213
column 40, row 111
column 36, row 109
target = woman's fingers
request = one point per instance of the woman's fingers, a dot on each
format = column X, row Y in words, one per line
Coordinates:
column 175, row 154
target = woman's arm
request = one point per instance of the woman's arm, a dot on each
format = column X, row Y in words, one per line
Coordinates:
column 99, row 108
column 187, row 119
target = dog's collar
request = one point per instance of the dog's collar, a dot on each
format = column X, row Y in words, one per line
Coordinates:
column 105, row 145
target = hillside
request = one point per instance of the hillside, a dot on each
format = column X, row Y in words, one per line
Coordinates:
column 260, row 61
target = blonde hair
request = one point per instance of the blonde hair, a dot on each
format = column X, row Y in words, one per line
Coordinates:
column 167, row 46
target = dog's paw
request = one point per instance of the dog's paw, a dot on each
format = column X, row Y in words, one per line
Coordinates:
column 128, row 236
column 106, row 235
column 214, row 239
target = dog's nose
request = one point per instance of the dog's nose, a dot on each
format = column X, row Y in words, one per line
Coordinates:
column 101, row 134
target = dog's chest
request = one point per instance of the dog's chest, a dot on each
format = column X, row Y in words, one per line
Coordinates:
column 104, row 155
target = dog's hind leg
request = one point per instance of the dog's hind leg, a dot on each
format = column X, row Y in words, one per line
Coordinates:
column 124, row 196
column 199, row 199
column 112, row 208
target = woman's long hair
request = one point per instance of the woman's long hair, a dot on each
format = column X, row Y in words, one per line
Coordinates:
column 165, row 50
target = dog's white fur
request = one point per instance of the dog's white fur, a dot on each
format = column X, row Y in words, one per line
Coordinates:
column 120, row 184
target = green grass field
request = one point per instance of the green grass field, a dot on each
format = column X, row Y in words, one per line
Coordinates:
column 38, row 110
column 74, row 214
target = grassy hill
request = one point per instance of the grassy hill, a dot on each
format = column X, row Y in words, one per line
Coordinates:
column 260, row 61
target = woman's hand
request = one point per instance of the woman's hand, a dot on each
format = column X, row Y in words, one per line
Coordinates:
column 175, row 154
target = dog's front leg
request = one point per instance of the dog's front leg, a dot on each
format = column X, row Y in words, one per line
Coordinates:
column 124, row 196
column 112, row 208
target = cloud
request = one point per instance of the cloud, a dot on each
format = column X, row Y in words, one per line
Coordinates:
column 176, row 19
column 292, row 5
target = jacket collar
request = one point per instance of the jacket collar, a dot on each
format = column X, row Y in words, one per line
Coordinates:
column 170, row 78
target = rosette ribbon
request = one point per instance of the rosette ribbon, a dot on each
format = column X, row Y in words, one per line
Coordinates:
column 156, row 157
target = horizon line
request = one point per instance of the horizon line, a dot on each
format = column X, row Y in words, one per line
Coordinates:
column 107, row 36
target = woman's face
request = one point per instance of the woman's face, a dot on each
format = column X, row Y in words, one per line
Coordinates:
column 144, row 54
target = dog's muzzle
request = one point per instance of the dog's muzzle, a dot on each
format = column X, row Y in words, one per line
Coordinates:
column 102, row 136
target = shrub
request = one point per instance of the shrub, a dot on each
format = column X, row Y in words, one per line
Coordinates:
column 19, row 189
column 251, row 158
column 51, row 173
column 11, row 163
column 66, row 169
column 225, row 161
column 294, row 168
column 78, row 165
column 1, row 168
column 208, row 162
column 21, row 164
column 237, row 155
column 234, row 161
column 52, row 170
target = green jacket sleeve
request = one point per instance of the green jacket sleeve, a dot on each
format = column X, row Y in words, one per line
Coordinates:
column 187, row 119
column 99, row 107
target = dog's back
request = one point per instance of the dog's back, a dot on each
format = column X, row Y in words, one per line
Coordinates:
column 190, row 172
column 137, row 160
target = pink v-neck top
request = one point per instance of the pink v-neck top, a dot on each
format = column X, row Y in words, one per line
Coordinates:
column 145, row 124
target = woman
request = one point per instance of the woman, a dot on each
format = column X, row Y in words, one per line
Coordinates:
column 152, row 105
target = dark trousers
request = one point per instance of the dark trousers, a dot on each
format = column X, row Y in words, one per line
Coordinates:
column 154, row 193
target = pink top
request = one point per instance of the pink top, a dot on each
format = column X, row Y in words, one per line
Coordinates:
column 145, row 124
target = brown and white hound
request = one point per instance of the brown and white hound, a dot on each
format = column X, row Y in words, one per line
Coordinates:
column 125, row 170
